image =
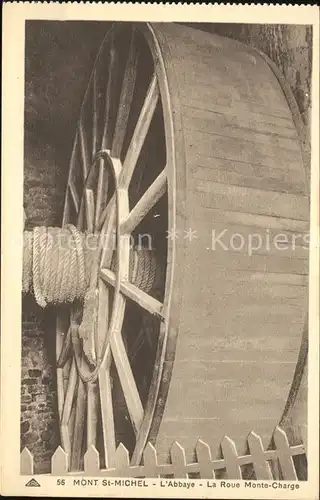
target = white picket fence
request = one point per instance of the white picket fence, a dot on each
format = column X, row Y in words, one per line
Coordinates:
column 260, row 459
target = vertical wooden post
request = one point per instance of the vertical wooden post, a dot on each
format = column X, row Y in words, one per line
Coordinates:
column 91, row 462
column 59, row 462
column 204, row 459
column 284, row 455
column 78, row 426
column 230, row 456
column 178, row 459
column 150, row 461
column 92, row 414
column 26, row 462
column 122, row 461
column 261, row 466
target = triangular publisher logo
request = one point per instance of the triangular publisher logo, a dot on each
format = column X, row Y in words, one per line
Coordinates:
column 32, row 482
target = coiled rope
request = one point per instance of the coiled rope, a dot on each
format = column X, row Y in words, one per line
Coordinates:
column 61, row 265
column 57, row 264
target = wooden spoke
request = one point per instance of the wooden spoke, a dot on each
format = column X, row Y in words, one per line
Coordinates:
column 81, row 217
column 62, row 344
column 134, row 293
column 109, row 101
column 103, row 215
column 105, row 392
column 92, row 414
column 60, row 390
column 146, row 202
column 67, row 407
column 109, row 442
column 124, row 243
column 74, row 196
column 127, row 381
column 122, row 363
column 65, row 350
column 119, row 353
column 102, row 185
column 89, row 202
column 94, row 114
column 71, row 172
column 140, row 132
column 78, row 426
column 107, row 236
column 126, row 96
column 103, row 319
column 69, row 393
column 84, row 150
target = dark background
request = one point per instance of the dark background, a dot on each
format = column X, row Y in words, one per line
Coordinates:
column 59, row 58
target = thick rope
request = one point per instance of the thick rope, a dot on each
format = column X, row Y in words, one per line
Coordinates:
column 57, row 265
column 60, row 267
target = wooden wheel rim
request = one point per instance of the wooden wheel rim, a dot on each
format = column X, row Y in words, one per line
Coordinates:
column 145, row 424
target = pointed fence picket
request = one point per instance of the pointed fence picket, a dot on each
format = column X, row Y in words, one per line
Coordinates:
column 261, row 466
column 205, row 467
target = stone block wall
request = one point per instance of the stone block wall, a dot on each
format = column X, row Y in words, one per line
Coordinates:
column 39, row 419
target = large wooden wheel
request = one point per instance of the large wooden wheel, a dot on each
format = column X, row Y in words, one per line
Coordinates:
column 120, row 128
column 182, row 133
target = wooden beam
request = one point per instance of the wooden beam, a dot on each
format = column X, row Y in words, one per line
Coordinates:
column 84, row 151
column 89, row 201
column 94, row 114
column 74, row 195
column 122, row 363
column 109, row 101
column 92, row 414
column 146, row 202
column 60, row 342
column 65, row 219
column 108, row 431
column 107, row 234
column 124, row 242
column 78, row 426
column 126, row 97
column 102, row 187
column 134, row 293
column 140, row 132
column 67, row 407
column 103, row 317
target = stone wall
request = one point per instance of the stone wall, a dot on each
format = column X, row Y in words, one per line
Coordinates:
column 39, row 429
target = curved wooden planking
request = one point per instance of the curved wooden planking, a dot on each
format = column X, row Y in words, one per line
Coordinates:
column 235, row 321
